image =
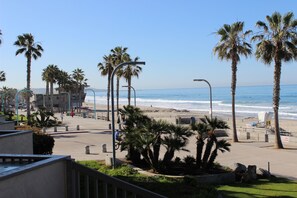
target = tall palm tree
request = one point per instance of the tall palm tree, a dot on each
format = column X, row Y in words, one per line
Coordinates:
column 232, row 44
column 31, row 50
column 106, row 68
column 51, row 77
column 128, row 73
column 46, row 79
column 277, row 43
column 120, row 55
column 79, row 77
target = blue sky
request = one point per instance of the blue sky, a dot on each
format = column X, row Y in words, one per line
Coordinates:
column 174, row 37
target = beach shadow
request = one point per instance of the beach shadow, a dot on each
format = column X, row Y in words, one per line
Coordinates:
column 102, row 132
column 93, row 154
column 105, row 129
column 63, row 136
column 293, row 149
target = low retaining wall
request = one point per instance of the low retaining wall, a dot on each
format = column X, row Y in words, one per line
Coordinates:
column 222, row 178
column 16, row 142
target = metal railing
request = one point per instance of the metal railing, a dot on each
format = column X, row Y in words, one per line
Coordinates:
column 84, row 182
column 258, row 134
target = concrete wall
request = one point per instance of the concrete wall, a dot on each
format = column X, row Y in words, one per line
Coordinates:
column 16, row 142
column 7, row 125
column 46, row 181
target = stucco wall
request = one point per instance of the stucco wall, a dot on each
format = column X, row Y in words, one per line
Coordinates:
column 7, row 125
column 17, row 143
column 47, row 181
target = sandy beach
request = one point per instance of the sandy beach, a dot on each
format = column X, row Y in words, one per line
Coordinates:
column 171, row 115
column 253, row 151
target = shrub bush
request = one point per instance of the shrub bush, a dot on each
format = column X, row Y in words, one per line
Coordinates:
column 42, row 143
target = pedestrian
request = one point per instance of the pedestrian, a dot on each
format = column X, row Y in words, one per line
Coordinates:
column 117, row 135
column 72, row 113
column 62, row 116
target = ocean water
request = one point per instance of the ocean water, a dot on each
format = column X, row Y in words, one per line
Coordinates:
column 249, row 99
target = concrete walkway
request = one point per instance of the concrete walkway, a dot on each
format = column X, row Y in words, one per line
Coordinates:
column 95, row 133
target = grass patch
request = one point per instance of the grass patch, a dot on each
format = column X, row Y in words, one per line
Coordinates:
column 176, row 187
column 275, row 187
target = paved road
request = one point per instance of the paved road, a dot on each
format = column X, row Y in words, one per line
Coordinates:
column 95, row 133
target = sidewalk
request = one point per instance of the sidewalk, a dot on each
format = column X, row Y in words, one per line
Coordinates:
column 95, row 133
column 92, row 133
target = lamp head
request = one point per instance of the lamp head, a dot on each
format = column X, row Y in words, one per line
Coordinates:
column 139, row 63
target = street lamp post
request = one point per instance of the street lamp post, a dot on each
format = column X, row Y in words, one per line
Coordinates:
column 134, row 93
column 210, row 94
column 95, row 116
column 112, row 105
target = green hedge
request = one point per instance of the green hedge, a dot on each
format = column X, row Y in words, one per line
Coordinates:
column 43, row 144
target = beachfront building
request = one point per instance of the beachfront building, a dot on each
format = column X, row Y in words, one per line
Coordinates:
column 61, row 101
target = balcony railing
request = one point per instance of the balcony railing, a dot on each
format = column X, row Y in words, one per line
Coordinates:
column 84, row 182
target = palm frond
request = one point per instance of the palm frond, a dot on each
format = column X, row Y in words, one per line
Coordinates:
column 263, row 25
column 287, row 18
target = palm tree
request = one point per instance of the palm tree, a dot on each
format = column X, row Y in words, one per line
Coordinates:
column 31, row 50
column 2, row 76
column 277, row 42
column 46, row 79
column 51, row 77
column 206, row 128
column 201, row 129
column 120, row 55
column 128, row 73
column 134, row 121
column 221, row 145
column 79, row 77
column 232, row 44
column 175, row 141
column 62, row 78
column 106, row 68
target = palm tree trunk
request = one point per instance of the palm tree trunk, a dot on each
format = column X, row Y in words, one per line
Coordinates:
column 118, row 94
column 156, row 151
column 212, row 158
column 233, row 89
column 52, row 97
column 79, row 98
column 199, row 149
column 276, row 98
column 59, row 89
column 46, row 95
column 28, row 87
column 129, row 91
column 207, row 152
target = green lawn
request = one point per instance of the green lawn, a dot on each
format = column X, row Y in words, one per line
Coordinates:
column 276, row 187
column 172, row 187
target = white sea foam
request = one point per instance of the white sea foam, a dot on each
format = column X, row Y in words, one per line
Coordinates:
column 246, row 105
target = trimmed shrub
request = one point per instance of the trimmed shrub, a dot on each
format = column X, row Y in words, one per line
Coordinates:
column 43, row 144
